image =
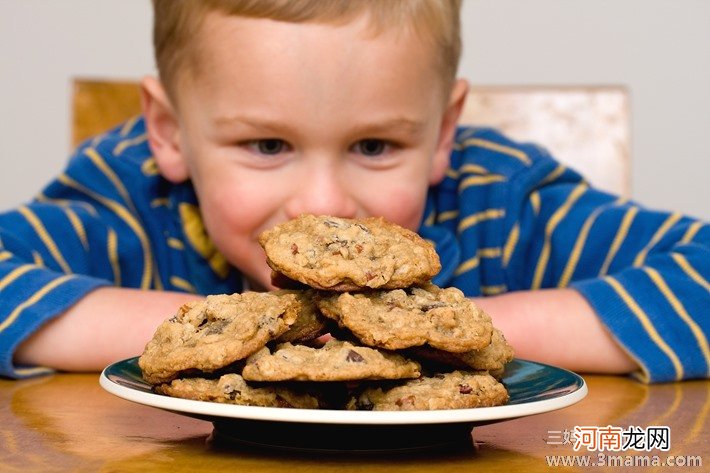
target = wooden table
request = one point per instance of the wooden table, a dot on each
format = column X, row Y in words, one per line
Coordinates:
column 67, row 422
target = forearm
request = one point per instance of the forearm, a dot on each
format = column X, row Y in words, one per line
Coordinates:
column 559, row 327
column 554, row 326
column 108, row 324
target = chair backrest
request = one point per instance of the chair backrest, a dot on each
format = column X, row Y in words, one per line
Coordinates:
column 98, row 105
column 586, row 128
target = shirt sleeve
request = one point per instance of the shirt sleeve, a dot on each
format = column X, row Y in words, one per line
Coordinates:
column 81, row 233
column 44, row 262
column 644, row 272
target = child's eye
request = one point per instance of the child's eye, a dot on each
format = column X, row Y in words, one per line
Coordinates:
column 268, row 146
column 371, row 147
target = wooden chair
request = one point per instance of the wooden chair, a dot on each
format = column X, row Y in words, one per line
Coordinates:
column 586, row 128
column 98, row 105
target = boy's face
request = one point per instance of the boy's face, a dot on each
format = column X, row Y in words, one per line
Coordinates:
column 281, row 119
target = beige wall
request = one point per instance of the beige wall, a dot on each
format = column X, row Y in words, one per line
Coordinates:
column 660, row 49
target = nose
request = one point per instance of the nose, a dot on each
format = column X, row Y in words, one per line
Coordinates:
column 322, row 189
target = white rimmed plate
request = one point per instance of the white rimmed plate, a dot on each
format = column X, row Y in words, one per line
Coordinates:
column 534, row 388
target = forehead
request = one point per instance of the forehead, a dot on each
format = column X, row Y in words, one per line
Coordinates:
column 248, row 52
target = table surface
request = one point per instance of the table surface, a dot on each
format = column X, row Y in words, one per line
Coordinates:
column 67, row 422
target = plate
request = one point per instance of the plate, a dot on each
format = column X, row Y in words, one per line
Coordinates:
column 534, row 388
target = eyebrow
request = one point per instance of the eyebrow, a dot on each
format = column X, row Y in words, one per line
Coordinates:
column 400, row 124
column 405, row 125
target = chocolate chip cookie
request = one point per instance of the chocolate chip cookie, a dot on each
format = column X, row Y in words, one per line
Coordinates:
column 335, row 361
column 403, row 318
column 492, row 358
column 309, row 324
column 455, row 390
column 340, row 254
column 212, row 333
column 232, row 389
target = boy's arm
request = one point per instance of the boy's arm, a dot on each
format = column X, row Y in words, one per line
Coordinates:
column 58, row 309
column 643, row 273
column 58, row 256
column 528, row 227
column 539, row 326
column 105, row 221
column 107, row 325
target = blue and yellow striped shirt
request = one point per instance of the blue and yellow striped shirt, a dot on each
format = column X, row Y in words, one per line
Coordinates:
column 507, row 217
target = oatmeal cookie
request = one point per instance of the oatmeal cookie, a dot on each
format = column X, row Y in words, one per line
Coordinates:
column 232, row 389
column 335, row 361
column 403, row 318
column 342, row 254
column 309, row 324
column 455, row 390
column 212, row 333
column 492, row 358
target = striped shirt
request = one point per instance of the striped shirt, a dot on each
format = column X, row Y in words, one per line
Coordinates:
column 507, row 217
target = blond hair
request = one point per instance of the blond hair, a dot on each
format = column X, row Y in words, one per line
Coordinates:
column 177, row 22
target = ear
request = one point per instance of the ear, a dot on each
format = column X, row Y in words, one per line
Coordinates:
column 163, row 130
column 449, row 121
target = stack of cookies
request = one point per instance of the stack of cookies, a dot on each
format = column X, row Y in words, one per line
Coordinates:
column 397, row 341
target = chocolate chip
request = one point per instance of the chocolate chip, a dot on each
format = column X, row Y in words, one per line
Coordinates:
column 465, row 389
column 294, row 249
column 363, row 228
column 405, row 400
column 281, row 402
column 354, row 356
column 433, row 305
column 333, row 224
column 364, row 404
column 216, row 327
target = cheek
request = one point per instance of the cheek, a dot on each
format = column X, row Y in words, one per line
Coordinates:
column 228, row 226
column 233, row 213
column 398, row 195
column 235, row 198
column 233, row 224
column 399, row 203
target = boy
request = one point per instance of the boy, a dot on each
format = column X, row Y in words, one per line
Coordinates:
column 269, row 109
